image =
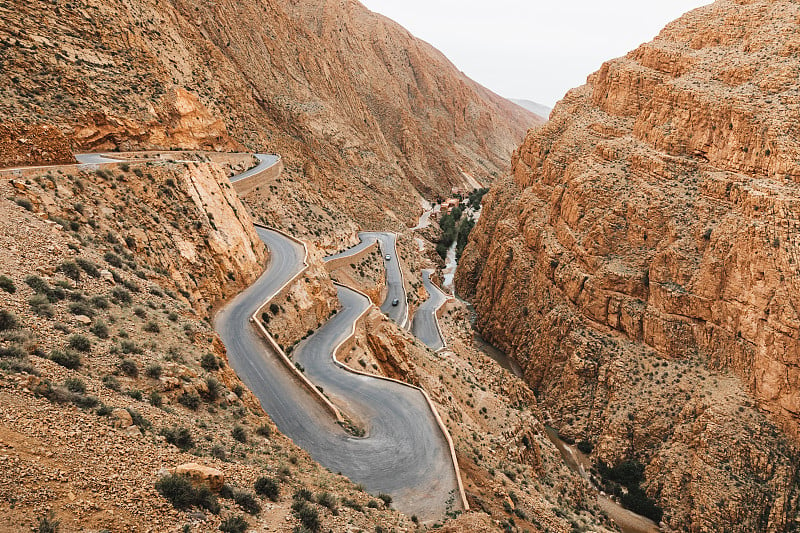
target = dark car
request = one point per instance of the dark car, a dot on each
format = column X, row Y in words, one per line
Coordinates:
column 395, row 302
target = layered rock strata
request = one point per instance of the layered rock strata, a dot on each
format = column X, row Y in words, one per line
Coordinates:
column 641, row 263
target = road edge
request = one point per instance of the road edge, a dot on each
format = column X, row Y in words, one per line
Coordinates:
column 273, row 343
column 432, row 407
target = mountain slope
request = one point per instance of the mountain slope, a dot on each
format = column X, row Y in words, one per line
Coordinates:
column 641, row 264
column 342, row 93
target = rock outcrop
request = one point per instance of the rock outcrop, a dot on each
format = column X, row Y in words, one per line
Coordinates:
column 642, row 264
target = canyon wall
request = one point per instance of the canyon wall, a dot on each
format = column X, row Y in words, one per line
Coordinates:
column 352, row 101
column 641, row 263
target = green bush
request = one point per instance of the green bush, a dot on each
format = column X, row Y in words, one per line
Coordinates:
column 387, row 499
column 80, row 343
column 113, row 259
column 182, row 494
column 100, row 329
column 66, row 358
column 7, row 321
column 239, row 433
column 213, row 387
column 80, row 308
column 41, row 306
column 189, row 400
column 111, row 382
column 129, row 346
column 7, row 284
column 38, row 285
column 326, row 499
column 155, row 399
column 209, row 362
column 70, row 269
column 129, row 368
column 307, row 514
column 264, row 430
column 121, row 296
column 99, row 302
column 12, row 352
column 152, row 327
column 234, row 524
column 88, row 267
column 153, row 371
column 246, row 501
column 178, row 436
column 75, row 385
column 268, row 487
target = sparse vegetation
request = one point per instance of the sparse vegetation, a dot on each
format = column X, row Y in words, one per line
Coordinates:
column 80, row 343
column 234, row 524
column 99, row 329
column 7, row 320
column 189, row 400
column 239, row 433
column 209, row 362
column 247, row 501
column 182, row 494
column 66, row 358
column 178, row 436
column 7, row 284
column 268, row 487
column 129, row 368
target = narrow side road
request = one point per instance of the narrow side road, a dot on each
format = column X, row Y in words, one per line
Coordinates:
column 395, row 283
column 425, row 325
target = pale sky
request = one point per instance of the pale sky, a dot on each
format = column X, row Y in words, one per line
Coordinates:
column 533, row 49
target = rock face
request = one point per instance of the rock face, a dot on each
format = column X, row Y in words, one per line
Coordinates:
column 346, row 96
column 27, row 144
column 646, row 244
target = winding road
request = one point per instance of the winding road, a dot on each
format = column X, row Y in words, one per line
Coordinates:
column 394, row 275
column 404, row 452
column 425, row 325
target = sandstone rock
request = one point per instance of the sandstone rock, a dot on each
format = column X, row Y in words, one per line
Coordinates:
column 83, row 319
column 107, row 276
column 652, row 223
column 121, row 418
column 202, row 475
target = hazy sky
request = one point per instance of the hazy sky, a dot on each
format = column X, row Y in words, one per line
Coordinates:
column 533, row 49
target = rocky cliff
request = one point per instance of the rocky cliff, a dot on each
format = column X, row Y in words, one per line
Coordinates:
column 351, row 100
column 642, row 264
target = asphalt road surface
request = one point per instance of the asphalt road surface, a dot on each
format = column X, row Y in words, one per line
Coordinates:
column 403, row 453
column 424, row 325
column 265, row 161
column 394, row 278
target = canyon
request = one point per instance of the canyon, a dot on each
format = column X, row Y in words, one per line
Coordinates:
column 640, row 263
column 635, row 262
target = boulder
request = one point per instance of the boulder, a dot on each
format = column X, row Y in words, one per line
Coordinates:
column 202, row 475
column 121, row 418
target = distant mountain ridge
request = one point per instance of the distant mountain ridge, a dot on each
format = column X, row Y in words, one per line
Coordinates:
column 535, row 108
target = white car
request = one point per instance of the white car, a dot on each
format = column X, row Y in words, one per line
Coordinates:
column 388, row 257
